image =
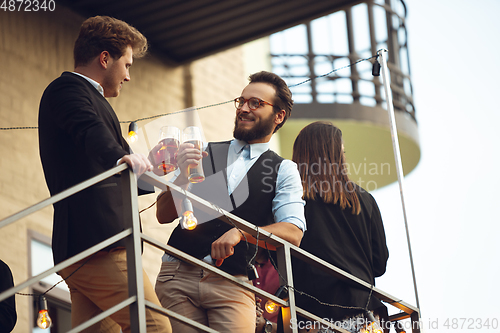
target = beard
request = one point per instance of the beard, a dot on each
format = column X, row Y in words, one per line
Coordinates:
column 260, row 129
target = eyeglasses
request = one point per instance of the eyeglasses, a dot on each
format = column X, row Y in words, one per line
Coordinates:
column 253, row 103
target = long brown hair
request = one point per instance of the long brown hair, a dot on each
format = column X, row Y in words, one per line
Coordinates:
column 319, row 154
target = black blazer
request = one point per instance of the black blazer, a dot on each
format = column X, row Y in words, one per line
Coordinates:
column 8, row 314
column 80, row 137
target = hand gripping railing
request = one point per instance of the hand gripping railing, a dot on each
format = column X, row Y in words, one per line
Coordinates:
column 133, row 237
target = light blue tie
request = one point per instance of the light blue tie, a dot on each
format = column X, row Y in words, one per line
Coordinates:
column 239, row 169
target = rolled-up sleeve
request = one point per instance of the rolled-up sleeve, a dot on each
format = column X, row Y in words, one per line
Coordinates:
column 288, row 205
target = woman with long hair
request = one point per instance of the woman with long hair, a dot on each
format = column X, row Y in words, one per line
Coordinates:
column 344, row 228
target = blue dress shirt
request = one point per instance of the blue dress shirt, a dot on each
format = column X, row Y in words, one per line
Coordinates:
column 287, row 205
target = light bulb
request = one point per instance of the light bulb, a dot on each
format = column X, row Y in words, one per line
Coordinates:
column 43, row 321
column 271, row 307
column 373, row 326
column 132, row 131
column 188, row 220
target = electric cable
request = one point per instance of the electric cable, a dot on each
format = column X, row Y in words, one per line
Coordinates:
column 211, row 105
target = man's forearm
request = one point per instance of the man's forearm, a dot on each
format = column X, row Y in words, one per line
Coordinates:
column 287, row 231
column 223, row 247
column 284, row 230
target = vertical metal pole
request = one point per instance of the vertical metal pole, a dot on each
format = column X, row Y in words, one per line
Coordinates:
column 397, row 155
column 373, row 49
column 310, row 63
column 415, row 322
column 352, row 54
column 285, row 271
column 134, row 251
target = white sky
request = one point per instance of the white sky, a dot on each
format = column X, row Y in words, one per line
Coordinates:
column 451, row 195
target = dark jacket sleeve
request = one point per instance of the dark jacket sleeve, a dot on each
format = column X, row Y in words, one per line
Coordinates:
column 8, row 315
column 166, row 211
column 74, row 111
column 380, row 253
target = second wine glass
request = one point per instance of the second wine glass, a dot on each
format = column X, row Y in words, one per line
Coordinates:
column 192, row 134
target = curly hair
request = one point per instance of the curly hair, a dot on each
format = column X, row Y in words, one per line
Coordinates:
column 104, row 33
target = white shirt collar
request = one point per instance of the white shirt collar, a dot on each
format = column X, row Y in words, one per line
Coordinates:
column 96, row 84
column 256, row 149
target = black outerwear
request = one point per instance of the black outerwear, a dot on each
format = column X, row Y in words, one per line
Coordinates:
column 8, row 314
column 80, row 137
column 353, row 243
column 252, row 203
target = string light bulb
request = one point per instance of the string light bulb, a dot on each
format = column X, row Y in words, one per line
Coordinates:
column 373, row 326
column 271, row 307
column 282, row 293
column 43, row 321
column 132, row 131
column 188, row 220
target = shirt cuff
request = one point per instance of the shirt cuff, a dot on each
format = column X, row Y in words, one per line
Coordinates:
column 294, row 215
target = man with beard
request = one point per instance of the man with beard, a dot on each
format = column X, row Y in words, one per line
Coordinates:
column 246, row 178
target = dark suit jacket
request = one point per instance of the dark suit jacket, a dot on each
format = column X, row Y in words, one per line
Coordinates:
column 80, row 137
column 8, row 314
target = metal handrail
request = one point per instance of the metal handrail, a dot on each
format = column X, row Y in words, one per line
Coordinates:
column 134, row 237
column 62, row 195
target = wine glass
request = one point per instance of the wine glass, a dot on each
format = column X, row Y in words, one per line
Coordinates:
column 192, row 134
column 166, row 155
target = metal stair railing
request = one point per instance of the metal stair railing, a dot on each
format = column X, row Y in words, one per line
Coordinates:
column 133, row 237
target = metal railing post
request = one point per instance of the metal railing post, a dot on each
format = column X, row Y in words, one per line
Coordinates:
column 415, row 322
column 285, row 271
column 134, row 252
